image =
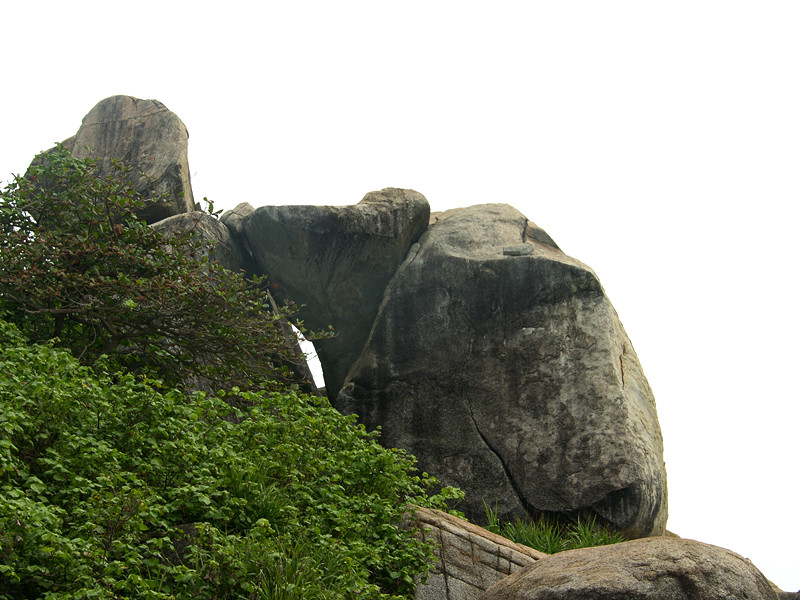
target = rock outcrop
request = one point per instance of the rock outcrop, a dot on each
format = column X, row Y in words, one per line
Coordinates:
column 227, row 251
column 147, row 136
column 477, row 345
column 657, row 568
column 336, row 263
column 469, row 559
column 508, row 374
column 234, row 219
column 490, row 355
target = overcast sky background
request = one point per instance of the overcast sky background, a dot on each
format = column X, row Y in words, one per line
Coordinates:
column 658, row 142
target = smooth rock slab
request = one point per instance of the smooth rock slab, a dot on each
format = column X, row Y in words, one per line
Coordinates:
column 657, row 568
column 511, row 377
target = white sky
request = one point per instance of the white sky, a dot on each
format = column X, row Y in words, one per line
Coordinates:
column 658, row 142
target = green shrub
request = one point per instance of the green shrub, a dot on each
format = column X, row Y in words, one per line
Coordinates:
column 78, row 265
column 548, row 534
column 112, row 486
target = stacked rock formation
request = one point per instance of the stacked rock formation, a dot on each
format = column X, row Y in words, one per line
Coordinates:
column 469, row 338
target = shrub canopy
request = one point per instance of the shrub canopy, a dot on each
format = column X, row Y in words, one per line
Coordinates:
column 115, row 480
column 77, row 264
column 112, row 487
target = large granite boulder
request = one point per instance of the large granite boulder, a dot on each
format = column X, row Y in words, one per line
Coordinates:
column 336, row 263
column 498, row 361
column 658, row 568
column 150, row 138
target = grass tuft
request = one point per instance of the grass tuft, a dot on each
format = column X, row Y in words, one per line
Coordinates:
column 547, row 534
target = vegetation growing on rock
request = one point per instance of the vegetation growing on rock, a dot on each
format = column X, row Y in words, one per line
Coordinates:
column 112, row 486
column 117, row 482
column 79, row 265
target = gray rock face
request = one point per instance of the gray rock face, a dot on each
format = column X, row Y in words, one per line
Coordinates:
column 229, row 253
column 150, row 138
column 234, row 219
column 654, row 568
column 511, row 377
column 469, row 559
column 336, row 261
column 226, row 251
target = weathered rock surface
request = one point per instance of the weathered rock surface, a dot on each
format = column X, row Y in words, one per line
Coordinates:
column 147, row 136
column 337, row 261
column 226, row 251
column 657, row 568
column 234, row 219
column 229, row 253
column 511, row 377
column 470, row 559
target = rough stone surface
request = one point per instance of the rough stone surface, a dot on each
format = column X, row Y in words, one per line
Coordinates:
column 227, row 251
column 147, row 136
column 469, row 559
column 518, row 250
column 337, row 261
column 657, row 568
column 511, row 377
column 234, row 219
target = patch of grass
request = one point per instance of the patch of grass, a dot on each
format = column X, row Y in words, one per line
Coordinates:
column 547, row 534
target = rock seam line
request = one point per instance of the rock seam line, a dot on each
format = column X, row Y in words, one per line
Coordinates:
column 503, row 464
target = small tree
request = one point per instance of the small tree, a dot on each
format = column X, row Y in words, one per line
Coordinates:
column 78, row 265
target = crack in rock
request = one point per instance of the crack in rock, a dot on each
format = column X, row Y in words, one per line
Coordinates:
column 525, row 505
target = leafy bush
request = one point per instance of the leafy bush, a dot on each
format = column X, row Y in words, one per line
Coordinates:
column 112, row 486
column 549, row 535
column 79, row 265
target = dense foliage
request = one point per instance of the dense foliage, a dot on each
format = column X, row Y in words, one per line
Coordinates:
column 112, row 487
column 115, row 480
column 77, row 264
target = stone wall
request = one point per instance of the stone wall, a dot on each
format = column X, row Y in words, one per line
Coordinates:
column 470, row 559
